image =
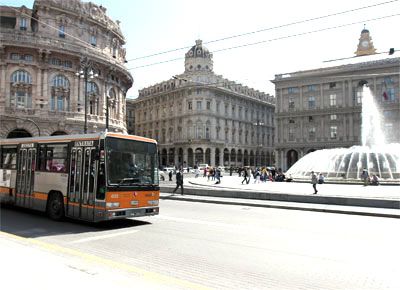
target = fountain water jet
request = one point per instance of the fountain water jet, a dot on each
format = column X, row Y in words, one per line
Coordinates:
column 347, row 163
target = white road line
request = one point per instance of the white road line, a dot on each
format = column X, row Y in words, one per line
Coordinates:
column 193, row 221
column 103, row 237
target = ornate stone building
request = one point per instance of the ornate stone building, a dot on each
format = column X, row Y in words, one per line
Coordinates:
column 130, row 116
column 321, row 108
column 200, row 117
column 41, row 50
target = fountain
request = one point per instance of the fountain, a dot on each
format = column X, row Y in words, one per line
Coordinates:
column 339, row 164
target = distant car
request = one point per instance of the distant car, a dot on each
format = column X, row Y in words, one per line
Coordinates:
column 191, row 170
column 161, row 175
column 202, row 166
column 168, row 169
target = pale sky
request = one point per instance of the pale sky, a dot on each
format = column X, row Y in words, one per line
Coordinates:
column 153, row 26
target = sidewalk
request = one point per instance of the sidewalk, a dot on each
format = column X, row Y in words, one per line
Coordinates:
column 340, row 198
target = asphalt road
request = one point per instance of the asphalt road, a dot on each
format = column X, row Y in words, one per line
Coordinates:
column 199, row 245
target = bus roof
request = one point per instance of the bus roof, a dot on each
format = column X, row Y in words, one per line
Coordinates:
column 67, row 138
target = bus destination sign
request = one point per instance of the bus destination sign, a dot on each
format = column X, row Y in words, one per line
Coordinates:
column 83, row 143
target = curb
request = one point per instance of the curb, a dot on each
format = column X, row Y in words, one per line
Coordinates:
column 289, row 207
column 295, row 198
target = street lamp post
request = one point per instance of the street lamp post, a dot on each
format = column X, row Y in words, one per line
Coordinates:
column 86, row 73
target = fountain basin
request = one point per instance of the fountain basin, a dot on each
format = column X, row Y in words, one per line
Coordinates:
column 339, row 164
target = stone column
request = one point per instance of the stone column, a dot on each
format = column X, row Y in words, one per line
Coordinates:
column 221, row 157
column 185, row 156
column 212, row 156
column 351, row 133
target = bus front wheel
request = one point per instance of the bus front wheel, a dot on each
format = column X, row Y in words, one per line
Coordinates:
column 55, row 206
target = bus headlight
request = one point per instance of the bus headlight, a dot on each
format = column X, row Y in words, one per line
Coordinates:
column 112, row 204
column 152, row 202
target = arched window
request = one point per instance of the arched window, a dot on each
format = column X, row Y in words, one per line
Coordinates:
column 59, row 100
column 60, row 81
column 21, row 76
column 93, row 95
column 20, row 90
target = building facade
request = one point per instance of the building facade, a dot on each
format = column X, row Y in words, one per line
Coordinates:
column 321, row 108
column 200, row 117
column 48, row 56
column 130, row 116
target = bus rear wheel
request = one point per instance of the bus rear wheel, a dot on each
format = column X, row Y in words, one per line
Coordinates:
column 55, row 207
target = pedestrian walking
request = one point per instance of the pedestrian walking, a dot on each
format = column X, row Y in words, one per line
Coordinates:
column 218, row 175
column 314, row 181
column 244, row 176
column 170, row 175
column 179, row 181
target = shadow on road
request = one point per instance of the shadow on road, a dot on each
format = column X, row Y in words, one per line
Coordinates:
column 33, row 224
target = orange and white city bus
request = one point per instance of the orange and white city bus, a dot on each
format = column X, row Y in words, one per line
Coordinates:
column 92, row 177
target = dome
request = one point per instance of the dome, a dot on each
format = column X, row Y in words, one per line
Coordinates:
column 365, row 30
column 198, row 59
column 198, row 50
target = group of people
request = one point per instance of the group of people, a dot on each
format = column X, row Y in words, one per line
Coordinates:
column 213, row 173
column 369, row 179
column 262, row 174
column 320, row 179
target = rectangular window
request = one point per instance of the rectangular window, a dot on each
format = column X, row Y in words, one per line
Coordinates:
column 217, row 107
column 358, row 97
column 14, row 56
column 55, row 156
column 333, row 132
column 293, row 90
column 332, row 85
column 310, row 119
column 9, row 158
column 312, row 88
column 60, row 103
column 291, row 134
column 198, row 105
column 332, row 100
column 311, row 102
column 53, row 103
column 333, row 117
column 388, row 95
column 208, row 105
column 190, row 105
column 388, row 129
column 28, row 57
column 291, row 103
column 311, row 133
column 22, row 23
column 61, row 31
column 93, row 40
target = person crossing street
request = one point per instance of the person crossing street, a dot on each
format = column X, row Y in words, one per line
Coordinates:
column 179, row 181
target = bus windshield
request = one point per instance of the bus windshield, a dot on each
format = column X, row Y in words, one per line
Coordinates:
column 131, row 162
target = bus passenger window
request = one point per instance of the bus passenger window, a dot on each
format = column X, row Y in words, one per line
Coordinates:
column 9, row 158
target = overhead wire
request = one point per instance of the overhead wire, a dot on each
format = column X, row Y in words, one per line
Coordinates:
column 275, row 39
column 267, row 29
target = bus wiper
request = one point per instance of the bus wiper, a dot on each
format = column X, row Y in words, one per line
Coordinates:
column 123, row 180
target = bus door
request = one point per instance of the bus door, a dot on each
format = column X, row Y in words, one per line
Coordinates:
column 82, row 183
column 25, row 175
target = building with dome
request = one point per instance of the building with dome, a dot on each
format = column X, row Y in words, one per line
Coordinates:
column 321, row 108
column 199, row 117
column 41, row 50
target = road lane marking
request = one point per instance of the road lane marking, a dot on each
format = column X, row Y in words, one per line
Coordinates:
column 148, row 275
column 101, row 237
column 193, row 221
